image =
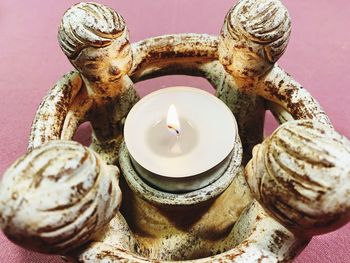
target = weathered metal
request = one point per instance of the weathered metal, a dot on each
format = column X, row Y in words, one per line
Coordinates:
column 63, row 198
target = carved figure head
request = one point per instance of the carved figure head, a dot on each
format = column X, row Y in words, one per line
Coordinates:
column 254, row 36
column 57, row 196
column 96, row 41
column 301, row 175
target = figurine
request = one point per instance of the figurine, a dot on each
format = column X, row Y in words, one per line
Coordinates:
column 254, row 36
column 96, row 42
column 300, row 176
column 57, row 196
column 64, row 198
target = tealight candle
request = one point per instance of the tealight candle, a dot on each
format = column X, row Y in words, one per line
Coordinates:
column 180, row 138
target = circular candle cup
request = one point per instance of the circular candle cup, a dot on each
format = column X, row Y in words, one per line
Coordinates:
column 194, row 158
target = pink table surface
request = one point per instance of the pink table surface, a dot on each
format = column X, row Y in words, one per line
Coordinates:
column 31, row 62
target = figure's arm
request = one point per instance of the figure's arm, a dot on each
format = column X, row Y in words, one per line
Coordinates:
column 172, row 54
column 76, row 114
column 280, row 114
column 280, row 88
column 49, row 118
column 107, row 120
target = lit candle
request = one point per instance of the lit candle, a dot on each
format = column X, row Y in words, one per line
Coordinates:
column 180, row 138
column 173, row 121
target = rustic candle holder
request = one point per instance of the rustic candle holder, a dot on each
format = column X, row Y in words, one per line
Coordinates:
column 63, row 198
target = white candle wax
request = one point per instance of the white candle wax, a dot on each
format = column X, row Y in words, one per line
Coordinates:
column 182, row 154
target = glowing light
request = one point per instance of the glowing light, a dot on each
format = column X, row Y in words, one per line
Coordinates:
column 172, row 121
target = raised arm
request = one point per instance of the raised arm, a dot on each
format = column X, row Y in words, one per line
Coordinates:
column 279, row 87
column 51, row 114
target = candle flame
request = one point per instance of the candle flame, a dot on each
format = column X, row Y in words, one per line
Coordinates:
column 172, row 121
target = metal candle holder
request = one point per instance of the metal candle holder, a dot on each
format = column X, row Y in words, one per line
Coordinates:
column 63, row 198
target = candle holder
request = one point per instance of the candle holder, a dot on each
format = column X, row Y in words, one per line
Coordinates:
column 63, row 198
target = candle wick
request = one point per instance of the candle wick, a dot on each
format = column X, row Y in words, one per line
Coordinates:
column 176, row 130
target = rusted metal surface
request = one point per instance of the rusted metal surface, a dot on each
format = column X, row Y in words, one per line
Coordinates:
column 295, row 172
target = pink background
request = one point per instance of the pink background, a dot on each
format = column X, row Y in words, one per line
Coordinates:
column 31, row 62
